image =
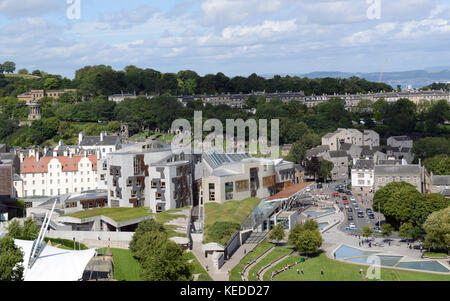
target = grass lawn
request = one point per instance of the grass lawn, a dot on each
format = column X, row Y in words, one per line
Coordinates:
column 435, row 254
column 167, row 216
column 340, row 271
column 197, row 268
column 255, row 253
column 231, row 211
column 126, row 267
column 117, row 214
column 275, row 254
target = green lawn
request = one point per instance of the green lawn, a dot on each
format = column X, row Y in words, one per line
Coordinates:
column 274, row 255
column 435, row 254
column 340, row 271
column 117, row 214
column 255, row 253
column 231, row 211
column 126, row 267
column 167, row 216
column 197, row 268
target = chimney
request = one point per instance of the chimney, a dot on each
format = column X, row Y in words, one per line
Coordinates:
column 37, row 156
column 102, row 136
column 60, row 143
column 21, row 157
column 70, row 155
column 55, row 153
column 80, row 138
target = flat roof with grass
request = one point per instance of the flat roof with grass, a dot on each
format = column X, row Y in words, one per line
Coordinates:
column 117, row 214
column 231, row 211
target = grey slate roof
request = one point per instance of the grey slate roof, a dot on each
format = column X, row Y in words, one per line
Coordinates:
column 95, row 140
column 401, row 138
column 446, row 193
column 397, row 170
column 317, row 150
column 345, row 146
column 364, row 164
column 338, row 154
column 441, row 180
column 366, row 151
column 390, row 162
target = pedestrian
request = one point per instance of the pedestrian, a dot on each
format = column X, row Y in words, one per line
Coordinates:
column 245, row 251
column 360, row 244
column 298, row 272
column 207, row 268
column 389, row 243
column 361, row 271
column 302, row 270
column 321, row 272
column 334, row 254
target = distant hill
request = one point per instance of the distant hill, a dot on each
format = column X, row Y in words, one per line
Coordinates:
column 415, row 78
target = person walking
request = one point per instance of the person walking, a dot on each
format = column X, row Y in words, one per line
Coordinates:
column 298, row 272
column 302, row 271
column 245, row 251
column 321, row 272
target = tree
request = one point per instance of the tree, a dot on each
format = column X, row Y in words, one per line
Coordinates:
column 386, row 230
column 367, row 231
column 9, row 67
column 166, row 264
column 430, row 146
column 144, row 227
column 277, row 233
column 437, row 228
column 312, row 166
column 11, row 259
column 438, row 165
column 30, row 229
column 305, row 240
column 325, row 169
column 23, row 71
column 15, row 229
column 406, row 230
column 2, row 68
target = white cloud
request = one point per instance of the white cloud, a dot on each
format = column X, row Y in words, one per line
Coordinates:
column 15, row 8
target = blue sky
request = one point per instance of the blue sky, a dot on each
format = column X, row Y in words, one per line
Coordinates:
column 237, row 37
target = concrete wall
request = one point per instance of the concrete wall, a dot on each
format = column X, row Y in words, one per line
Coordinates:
column 91, row 235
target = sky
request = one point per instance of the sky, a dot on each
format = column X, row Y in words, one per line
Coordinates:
column 236, row 37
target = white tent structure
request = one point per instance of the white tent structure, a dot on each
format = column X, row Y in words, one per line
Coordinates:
column 46, row 263
column 54, row 264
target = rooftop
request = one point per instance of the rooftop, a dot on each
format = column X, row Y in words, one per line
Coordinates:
column 441, row 180
column 397, row 170
column 290, row 191
column 364, row 164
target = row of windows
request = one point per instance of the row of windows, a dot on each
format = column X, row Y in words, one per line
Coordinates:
column 58, row 181
column 64, row 174
column 52, row 192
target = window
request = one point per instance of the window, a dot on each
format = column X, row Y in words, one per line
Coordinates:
column 163, row 184
column 133, row 193
column 269, row 181
column 228, row 191
column 157, row 195
column 212, row 193
column 129, row 182
column 242, row 185
column 111, row 193
column 153, row 184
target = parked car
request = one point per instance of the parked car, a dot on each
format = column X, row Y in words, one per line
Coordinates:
column 350, row 217
column 341, row 190
column 352, row 198
column 349, row 209
column 346, row 203
column 348, row 192
column 308, row 189
column 368, row 210
column 360, row 214
column 356, row 207
column 335, row 194
column 319, row 186
column 352, row 226
column 370, row 215
column 347, row 206
column 344, row 198
column 376, row 229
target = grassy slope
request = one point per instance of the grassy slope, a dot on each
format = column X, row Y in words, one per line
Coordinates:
column 231, row 211
column 197, row 267
column 26, row 76
column 271, row 257
column 126, row 267
column 166, row 216
column 255, row 253
column 117, row 214
column 340, row 271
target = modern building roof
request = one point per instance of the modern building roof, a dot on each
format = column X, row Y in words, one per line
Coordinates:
column 216, row 159
column 397, row 170
column 54, row 264
column 441, row 180
column 289, row 191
